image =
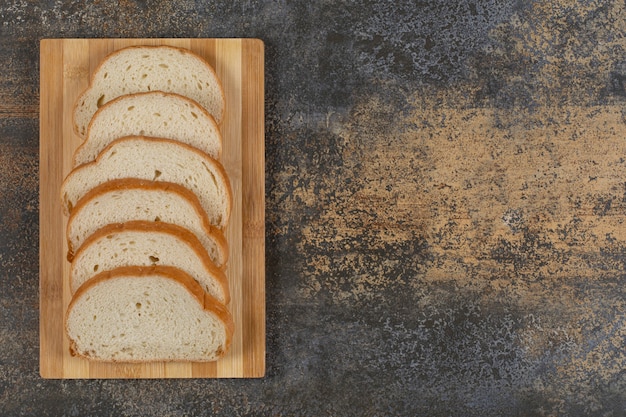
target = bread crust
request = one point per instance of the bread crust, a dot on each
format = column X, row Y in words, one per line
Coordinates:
column 184, row 51
column 137, row 184
column 206, row 301
column 171, row 229
column 216, row 164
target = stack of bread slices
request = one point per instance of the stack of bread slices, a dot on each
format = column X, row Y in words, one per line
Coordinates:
column 147, row 202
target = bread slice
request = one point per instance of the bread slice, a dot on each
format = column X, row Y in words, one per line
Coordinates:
column 157, row 160
column 144, row 243
column 125, row 200
column 150, row 68
column 139, row 314
column 155, row 114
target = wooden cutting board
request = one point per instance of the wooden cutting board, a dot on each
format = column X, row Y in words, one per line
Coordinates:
column 66, row 66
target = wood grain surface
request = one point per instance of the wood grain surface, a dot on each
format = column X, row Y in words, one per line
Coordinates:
column 65, row 69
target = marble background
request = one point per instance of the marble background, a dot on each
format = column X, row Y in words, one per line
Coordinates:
column 446, row 199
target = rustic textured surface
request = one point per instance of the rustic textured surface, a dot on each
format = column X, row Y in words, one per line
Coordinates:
column 446, row 197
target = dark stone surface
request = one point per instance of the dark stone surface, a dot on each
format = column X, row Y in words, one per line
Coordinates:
column 446, row 226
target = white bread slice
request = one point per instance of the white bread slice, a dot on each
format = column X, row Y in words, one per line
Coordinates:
column 139, row 314
column 150, row 68
column 156, row 114
column 124, row 200
column 144, row 243
column 158, row 160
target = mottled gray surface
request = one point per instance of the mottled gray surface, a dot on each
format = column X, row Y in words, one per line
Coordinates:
column 446, row 195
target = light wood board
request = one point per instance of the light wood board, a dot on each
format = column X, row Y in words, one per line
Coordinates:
column 65, row 69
